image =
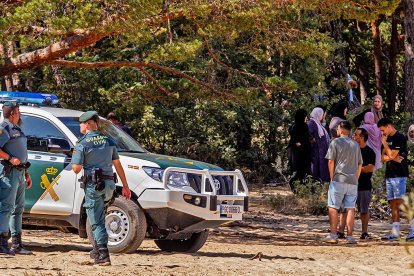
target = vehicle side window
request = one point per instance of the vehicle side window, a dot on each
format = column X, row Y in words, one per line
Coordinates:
column 38, row 130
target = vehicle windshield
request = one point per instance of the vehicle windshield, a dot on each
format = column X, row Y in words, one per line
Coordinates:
column 124, row 142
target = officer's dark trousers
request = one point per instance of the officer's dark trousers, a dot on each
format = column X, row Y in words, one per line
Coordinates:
column 12, row 193
column 95, row 209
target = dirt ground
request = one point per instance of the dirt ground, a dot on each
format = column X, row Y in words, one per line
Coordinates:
column 283, row 245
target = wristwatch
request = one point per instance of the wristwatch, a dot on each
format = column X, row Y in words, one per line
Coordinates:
column 10, row 157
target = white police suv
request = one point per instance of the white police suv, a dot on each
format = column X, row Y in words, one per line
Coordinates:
column 174, row 200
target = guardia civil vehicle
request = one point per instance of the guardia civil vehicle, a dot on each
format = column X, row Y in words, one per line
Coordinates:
column 174, row 200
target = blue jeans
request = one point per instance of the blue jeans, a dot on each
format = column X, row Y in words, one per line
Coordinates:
column 12, row 193
column 95, row 202
column 396, row 187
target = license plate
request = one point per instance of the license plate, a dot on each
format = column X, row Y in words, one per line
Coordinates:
column 230, row 209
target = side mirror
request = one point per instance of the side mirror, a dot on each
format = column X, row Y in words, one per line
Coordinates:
column 58, row 145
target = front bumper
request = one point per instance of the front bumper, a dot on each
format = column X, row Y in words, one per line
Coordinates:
column 178, row 210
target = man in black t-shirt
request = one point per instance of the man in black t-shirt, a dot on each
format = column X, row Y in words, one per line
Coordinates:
column 364, row 180
column 394, row 154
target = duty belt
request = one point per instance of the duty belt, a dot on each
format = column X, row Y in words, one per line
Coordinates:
column 20, row 167
column 104, row 177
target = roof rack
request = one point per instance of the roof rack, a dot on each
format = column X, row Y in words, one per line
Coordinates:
column 29, row 98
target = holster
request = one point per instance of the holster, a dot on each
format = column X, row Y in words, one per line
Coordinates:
column 7, row 168
column 98, row 178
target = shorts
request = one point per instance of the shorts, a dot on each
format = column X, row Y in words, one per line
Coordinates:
column 342, row 194
column 396, row 187
column 363, row 201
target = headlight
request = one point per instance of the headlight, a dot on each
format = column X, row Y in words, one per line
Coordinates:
column 178, row 179
column 175, row 179
column 154, row 173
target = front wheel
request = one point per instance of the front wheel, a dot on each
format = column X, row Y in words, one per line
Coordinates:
column 191, row 245
column 126, row 226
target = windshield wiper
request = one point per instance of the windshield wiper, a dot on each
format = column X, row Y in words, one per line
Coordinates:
column 132, row 151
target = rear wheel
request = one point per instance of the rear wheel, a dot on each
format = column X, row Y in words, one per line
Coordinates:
column 126, row 226
column 190, row 245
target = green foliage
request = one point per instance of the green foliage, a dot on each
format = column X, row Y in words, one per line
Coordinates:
column 280, row 55
column 310, row 198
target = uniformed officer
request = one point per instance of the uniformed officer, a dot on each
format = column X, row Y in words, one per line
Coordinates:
column 95, row 151
column 14, row 180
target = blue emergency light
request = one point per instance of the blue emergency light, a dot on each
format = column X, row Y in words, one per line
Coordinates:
column 29, row 98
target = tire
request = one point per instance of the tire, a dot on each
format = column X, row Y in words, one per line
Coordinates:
column 128, row 238
column 191, row 245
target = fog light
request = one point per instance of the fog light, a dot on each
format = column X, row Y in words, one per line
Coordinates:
column 197, row 201
column 187, row 197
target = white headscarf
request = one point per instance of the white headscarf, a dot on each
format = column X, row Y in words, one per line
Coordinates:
column 410, row 139
column 317, row 116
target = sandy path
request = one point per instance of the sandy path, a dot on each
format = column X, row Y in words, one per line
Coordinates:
column 289, row 245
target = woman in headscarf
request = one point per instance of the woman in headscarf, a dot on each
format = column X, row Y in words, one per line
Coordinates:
column 319, row 139
column 376, row 109
column 339, row 115
column 300, row 148
column 374, row 137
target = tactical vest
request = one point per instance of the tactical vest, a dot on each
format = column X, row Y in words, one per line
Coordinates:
column 12, row 131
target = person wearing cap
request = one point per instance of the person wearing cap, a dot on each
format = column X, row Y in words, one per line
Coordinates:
column 14, row 180
column 95, row 151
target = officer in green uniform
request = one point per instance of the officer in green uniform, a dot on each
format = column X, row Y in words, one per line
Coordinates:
column 96, row 153
column 14, row 180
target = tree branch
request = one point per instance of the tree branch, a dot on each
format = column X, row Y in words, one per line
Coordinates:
column 155, row 82
column 54, row 51
column 138, row 65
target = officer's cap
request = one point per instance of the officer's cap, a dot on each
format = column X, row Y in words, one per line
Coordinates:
column 88, row 115
column 9, row 104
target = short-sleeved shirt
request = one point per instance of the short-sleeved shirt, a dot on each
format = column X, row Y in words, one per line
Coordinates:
column 368, row 157
column 347, row 156
column 95, row 151
column 13, row 141
column 394, row 169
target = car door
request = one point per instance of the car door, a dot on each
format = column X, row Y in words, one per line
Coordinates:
column 53, row 186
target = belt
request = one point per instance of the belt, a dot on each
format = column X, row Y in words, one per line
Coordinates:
column 20, row 167
column 104, row 177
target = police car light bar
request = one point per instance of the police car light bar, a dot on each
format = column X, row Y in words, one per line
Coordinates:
column 29, row 98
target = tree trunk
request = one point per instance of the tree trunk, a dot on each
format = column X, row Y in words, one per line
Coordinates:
column 376, row 37
column 361, row 67
column 409, row 54
column 8, row 85
column 15, row 80
column 392, row 77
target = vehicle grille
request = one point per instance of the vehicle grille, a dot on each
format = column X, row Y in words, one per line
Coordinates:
column 225, row 183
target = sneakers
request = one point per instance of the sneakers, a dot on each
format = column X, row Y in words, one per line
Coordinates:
column 331, row 238
column 365, row 236
column 390, row 237
column 351, row 240
column 410, row 237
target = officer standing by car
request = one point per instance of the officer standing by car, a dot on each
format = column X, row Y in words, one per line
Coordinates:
column 96, row 154
column 14, row 180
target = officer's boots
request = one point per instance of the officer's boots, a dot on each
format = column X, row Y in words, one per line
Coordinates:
column 94, row 253
column 17, row 245
column 103, row 258
column 4, row 246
